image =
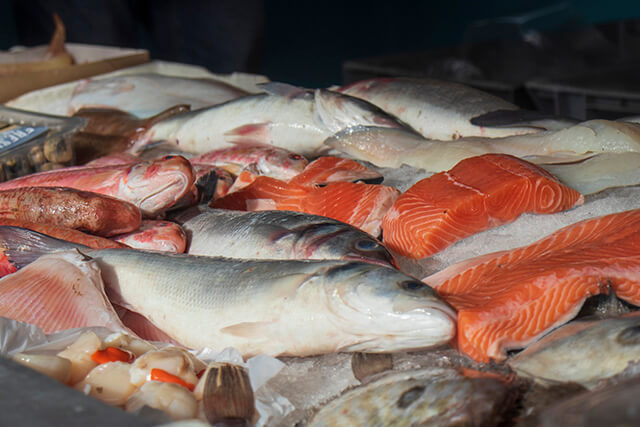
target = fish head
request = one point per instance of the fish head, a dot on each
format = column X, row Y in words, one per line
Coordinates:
column 337, row 111
column 156, row 186
column 333, row 240
column 386, row 309
column 281, row 164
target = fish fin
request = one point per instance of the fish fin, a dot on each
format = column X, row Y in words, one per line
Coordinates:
column 283, row 89
column 171, row 111
column 522, row 118
column 254, row 133
column 254, row 330
column 22, row 246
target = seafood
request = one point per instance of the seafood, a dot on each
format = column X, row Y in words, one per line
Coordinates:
column 173, row 399
column 508, row 299
column 478, row 193
column 267, row 160
column 583, row 352
column 286, row 117
column 163, row 236
column 357, row 204
column 437, row 109
column 57, row 292
column 264, row 306
column 277, row 235
column 145, row 95
column 421, row 397
column 152, row 186
column 394, row 147
column 328, row 169
column 69, row 208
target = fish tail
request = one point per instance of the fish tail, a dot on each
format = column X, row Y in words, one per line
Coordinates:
column 22, row 246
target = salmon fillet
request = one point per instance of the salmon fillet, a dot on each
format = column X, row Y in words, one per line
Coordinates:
column 477, row 194
column 508, row 299
column 328, row 169
column 357, row 204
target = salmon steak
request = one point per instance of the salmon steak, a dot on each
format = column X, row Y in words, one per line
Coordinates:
column 508, row 299
column 477, row 194
column 357, row 204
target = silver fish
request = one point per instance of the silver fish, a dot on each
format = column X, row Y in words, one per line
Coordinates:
column 279, row 307
column 145, row 95
column 437, row 109
column 413, row 398
column 394, row 147
column 582, row 352
column 286, row 117
column 277, row 235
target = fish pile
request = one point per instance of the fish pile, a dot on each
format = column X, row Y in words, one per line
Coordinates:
column 297, row 222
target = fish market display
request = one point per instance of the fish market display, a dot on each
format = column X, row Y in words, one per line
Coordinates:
column 394, row 147
column 267, row 160
column 357, row 204
column 582, row 352
column 418, row 398
column 477, row 194
column 437, row 109
column 151, row 186
column 597, row 173
column 163, row 236
column 286, row 117
column 58, row 292
column 328, row 169
column 277, row 235
column 66, row 207
column 145, row 95
column 264, row 306
column 506, row 300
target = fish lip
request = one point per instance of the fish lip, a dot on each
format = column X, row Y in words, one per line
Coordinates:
column 368, row 260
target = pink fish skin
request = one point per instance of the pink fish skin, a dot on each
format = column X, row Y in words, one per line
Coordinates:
column 165, row 236
column 114, row 160
column 267, row 160
column 326, row 169
column 57, row 292
column 153, row 186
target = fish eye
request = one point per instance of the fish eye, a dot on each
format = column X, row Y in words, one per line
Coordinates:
column 295, row 157
column 410, row 396
column 629, row 336
column 366, row 245
column 411, row 285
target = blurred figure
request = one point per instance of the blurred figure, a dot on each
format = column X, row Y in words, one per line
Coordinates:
column 223, row 35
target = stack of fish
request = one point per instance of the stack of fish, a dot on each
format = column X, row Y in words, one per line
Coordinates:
column 292, row 251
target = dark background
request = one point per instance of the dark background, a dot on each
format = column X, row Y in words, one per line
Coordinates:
column 299, row 42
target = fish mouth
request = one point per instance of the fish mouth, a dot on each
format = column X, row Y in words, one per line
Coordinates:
column 370, row 260
column 163, row 197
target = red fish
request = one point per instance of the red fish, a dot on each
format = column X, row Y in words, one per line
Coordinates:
column 508, row 299
column 477, row 194
column 360, row 205
column 162, row 236
column 151, row 186
column 328, row 169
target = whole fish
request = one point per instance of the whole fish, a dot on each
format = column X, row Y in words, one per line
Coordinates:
column 277, row 235
column 162, row 236
column 287, row 117
column 70, row 208
column 394, row 147
column 419, row 398
column 262, row 306
column 145, row 95
column 151, row 186
column 270, row 161
column 437, row 109
column 583, row 352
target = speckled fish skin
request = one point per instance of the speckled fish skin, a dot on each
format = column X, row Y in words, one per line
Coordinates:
column 145, row 95
column 277, row 235
column 394, row 147
column 417, row 398
column 437, row 109
column 295, row 308
column 270, row 161
column 298, row 122
column 583, row 352
column 152, row 186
